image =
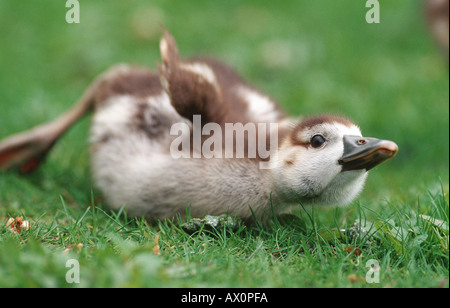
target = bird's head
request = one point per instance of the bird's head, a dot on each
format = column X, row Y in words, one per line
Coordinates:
column 325, row 159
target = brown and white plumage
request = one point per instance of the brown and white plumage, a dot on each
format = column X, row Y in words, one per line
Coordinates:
column 320, row 160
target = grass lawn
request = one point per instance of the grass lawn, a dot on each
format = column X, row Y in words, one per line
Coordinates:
column 313, row 57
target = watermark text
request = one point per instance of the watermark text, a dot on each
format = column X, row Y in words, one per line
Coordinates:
column 73, row 274
column 373, row 14
column 73, row 14
column 232, row 140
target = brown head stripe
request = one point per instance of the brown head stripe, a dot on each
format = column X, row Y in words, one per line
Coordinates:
column 316, row 120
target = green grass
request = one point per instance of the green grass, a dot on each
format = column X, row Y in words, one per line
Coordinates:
column 118, row 251
column 389, row 78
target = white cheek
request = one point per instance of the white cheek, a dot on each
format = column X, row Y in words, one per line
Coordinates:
column 323, row 163
column 314, row 170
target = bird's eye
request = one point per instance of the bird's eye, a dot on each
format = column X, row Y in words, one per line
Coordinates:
column 317, row 141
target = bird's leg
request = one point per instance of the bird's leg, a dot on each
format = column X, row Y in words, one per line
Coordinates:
column 26, row 150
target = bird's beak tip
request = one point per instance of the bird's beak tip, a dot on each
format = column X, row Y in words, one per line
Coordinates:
column 366, row 153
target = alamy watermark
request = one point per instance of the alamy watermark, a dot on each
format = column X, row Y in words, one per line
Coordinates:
column 73, row 274
column 373, row 14
column 232, row 140
column 373, row 274
column 73, row 12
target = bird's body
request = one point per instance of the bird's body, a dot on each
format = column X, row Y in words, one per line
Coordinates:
column 132, row 164
column 320, row 160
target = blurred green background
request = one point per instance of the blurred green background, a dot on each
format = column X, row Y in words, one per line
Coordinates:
column 313, row 57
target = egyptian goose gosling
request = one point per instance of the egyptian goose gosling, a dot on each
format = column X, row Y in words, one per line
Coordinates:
column 319, row 160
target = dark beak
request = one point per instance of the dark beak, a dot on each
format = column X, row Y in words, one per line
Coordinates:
column 365, row 153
